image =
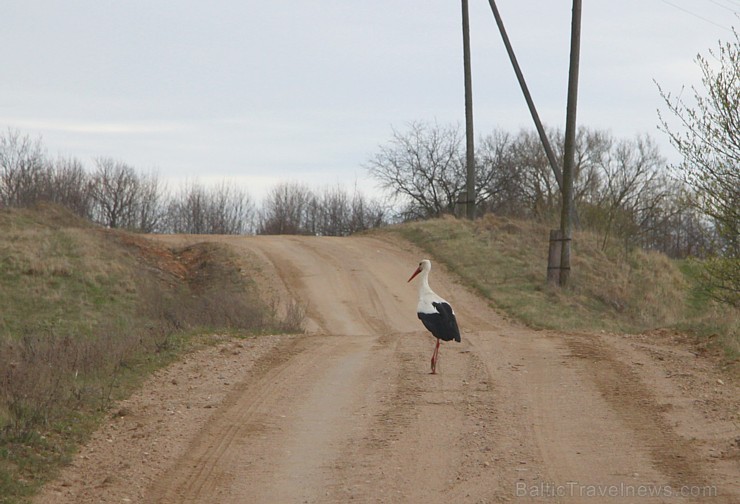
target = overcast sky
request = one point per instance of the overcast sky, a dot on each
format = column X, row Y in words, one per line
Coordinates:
column 306, row 90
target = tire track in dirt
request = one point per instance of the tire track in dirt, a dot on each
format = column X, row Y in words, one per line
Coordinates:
column 631, row 399
column 205, row 466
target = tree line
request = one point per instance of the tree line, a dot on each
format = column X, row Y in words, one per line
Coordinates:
column 623, row 188
column 624, row 191
column 114, row 194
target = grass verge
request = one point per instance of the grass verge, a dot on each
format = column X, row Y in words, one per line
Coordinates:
column 86, row 314
column 611, row 289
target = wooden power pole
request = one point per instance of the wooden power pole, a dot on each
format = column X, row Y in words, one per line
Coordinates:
column 469, row 136
column 566, row 216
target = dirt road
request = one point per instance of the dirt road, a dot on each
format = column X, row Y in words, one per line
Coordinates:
column 350, row 413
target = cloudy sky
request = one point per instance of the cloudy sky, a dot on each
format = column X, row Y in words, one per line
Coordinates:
column 306, row 90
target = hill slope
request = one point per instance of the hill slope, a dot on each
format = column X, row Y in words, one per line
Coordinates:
column 611, row 289
column 86, row 312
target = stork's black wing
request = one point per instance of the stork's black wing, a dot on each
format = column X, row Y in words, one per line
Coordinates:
column 450, row 330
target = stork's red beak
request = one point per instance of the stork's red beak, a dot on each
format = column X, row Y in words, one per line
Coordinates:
column 418, row 270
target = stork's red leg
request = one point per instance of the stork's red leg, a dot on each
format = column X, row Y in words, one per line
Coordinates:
column 434, row 358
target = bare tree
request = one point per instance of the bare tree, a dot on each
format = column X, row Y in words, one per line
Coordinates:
column 115, row 191
column 335, row 212
column 149, row 205
column 285, row 210
column 186, row 211
column 632, row 188
column 518, row 177
column 673, row 225
column 230, row 210
column 22, row 161
column 125, row 199
column 68, row 184
column 539, row 187
column 423, row 168
column 499, row 176
column 366, row 213
column 294, row 208
column 223, row 209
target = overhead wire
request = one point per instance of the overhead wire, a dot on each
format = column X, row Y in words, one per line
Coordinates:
column 715, row 2
column 695, row 15
column 723, row 3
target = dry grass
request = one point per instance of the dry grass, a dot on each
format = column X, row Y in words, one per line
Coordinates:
column 85, row 313
column 611, row 290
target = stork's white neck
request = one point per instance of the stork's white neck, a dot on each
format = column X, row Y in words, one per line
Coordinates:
column 424, row 283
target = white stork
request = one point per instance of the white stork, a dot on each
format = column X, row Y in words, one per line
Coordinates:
column 434, row 312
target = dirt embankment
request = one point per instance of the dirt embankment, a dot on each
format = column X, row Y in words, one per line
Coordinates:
column 349, row 412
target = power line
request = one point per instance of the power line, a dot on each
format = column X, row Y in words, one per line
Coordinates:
column 732, row 3
column 715, row 2
column 731, row 7
column 695, row 15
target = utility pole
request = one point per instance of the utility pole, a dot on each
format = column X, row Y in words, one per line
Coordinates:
column 566, row 216
column 469, row 136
